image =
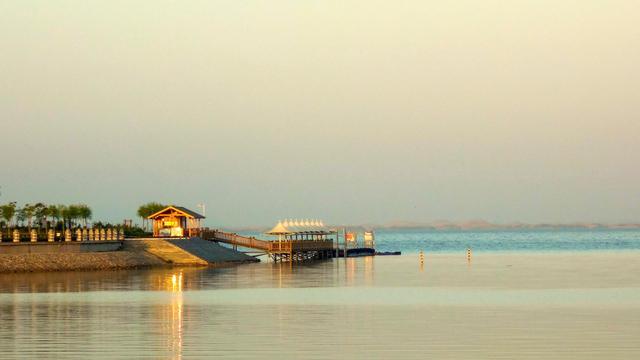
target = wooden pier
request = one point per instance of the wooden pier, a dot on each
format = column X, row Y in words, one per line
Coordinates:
column 278, row 250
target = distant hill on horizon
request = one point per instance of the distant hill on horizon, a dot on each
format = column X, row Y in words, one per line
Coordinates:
column 462, row 225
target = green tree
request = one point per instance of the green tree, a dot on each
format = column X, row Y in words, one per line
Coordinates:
column 21, row 216
column 85, row 213
column 53, row 211
column 40, row 214
column 70, row 214
column 27, row 213
column 8, row 212
column 148, row 209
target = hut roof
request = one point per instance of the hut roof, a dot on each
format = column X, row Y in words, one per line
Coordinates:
column 179, row 209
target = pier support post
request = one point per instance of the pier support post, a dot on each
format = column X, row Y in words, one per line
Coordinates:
column 16, row 236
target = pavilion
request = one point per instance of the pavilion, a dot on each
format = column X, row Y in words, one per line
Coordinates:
column 175, row 221
column 301, row 230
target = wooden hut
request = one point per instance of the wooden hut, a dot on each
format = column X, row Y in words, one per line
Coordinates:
column 175, row 221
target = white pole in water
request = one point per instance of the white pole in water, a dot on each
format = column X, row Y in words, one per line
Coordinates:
column 344, row 233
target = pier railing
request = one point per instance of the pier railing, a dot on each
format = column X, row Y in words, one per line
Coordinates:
column 269, row 246
column 235, row 239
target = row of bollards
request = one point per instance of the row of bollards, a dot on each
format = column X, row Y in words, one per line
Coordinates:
column 421, row 257
column 80, row 235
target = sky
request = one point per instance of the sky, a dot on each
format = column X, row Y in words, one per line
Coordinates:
column 348, row 111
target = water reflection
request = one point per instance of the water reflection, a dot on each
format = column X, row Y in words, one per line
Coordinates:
column 177, row 313
column 173, row 315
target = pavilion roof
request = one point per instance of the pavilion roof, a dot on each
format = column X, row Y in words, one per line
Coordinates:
column 300, row 227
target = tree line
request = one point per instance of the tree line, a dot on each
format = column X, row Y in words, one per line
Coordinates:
column 43, row 217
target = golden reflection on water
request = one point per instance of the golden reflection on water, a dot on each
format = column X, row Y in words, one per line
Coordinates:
column 368, row 270
column 174, row 315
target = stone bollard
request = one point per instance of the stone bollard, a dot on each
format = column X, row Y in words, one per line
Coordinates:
column 103, row 235
column 51, row 235
column 67, row 235
column 16, row 236
column 34, row 235
column 78, row 235
column 85, row 235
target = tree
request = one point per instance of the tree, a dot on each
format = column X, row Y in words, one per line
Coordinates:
column 21, row 216
column 8, row 212
column 148, row 209
column 70, row 214
column 26, row 213
column 40, row 214
column 85, row 213
column 53, row 211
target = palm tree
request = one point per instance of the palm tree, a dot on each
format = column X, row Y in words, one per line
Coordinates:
column 8, row 211
column 72, row 214
column 85, row 213
column 54, row 212
column 148, row 209
column 27, row 214
column 21, row 216
column 40, row 214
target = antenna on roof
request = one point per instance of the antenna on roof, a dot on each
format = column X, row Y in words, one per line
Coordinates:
column 202, row 206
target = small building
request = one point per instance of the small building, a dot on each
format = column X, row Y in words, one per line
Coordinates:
column 175, row 221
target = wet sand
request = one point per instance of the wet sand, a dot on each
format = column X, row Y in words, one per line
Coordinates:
column 511, row 305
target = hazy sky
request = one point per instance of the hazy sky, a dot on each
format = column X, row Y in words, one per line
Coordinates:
column 349, row 111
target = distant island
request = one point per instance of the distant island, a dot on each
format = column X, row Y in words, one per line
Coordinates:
column 463, row 225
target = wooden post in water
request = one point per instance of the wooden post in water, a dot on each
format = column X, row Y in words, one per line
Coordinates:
column 469, row 254
column 16, row 236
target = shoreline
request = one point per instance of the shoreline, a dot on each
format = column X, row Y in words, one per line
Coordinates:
column 129, row 255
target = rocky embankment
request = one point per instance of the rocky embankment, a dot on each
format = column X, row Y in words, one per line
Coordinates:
column 133, row 254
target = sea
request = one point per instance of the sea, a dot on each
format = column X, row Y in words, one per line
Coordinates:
column 564, row 239
column 525, row 294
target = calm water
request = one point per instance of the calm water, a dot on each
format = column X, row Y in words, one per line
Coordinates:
column 505, row 240
column 518, row 304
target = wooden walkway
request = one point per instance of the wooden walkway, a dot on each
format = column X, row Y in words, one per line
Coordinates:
column 285, row 250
